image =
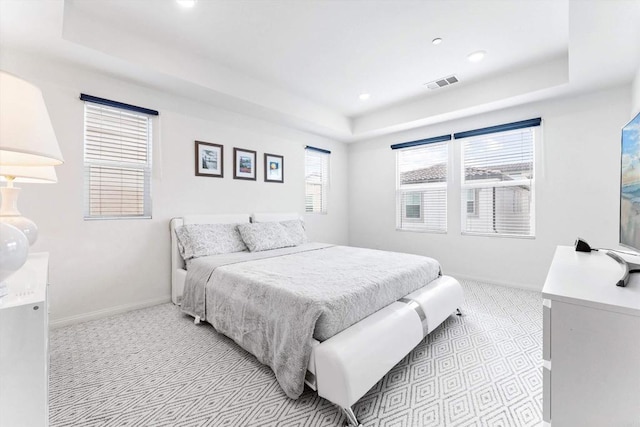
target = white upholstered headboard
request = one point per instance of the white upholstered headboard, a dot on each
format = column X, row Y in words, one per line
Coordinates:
column 269, row 217
column 178, row 272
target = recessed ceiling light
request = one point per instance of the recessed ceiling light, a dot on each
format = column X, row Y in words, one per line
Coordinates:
column 186, row 3
column 436, row 41
column 476, row 56
column 364, row 96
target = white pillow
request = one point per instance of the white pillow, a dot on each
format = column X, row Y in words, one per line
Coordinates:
column 262, row 236
column 197, row 240
column 295, row 229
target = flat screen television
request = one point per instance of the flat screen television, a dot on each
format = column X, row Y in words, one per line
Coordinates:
column 630, row 185
column 629, row 196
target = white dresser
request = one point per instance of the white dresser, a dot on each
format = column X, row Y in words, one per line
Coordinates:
column 591, row 342
column 24, row 338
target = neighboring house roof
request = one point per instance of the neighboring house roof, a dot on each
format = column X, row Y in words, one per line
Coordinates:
column 435, row 173
column 438, row 173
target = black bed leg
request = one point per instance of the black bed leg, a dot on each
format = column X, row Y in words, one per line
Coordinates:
column 458, row 312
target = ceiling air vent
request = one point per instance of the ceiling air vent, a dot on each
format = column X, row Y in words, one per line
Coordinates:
column 445, row 81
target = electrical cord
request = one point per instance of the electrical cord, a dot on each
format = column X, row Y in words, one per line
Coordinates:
column 581, row 245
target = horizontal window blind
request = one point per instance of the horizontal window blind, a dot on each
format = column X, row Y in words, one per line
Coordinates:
column 421, row 192
column 117, row 162
column 498, row 183
column 316, row 180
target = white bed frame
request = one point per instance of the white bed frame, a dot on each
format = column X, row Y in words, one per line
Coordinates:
column 343, row 368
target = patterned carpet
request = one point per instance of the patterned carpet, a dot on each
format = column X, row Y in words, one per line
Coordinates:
column 154, row 367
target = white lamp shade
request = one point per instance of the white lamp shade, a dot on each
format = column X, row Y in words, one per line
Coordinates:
column 29, row 174
column 26, row 134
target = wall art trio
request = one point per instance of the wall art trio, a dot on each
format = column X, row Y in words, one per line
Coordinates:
column 210, row 162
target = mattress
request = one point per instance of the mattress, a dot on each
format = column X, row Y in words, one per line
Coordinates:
column 273, row 303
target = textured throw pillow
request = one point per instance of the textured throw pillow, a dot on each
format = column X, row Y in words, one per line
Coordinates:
column 196, row 240
column 262, row 236
column 296, row 231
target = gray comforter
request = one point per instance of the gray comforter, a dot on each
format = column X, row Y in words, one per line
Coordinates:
column 272, row 303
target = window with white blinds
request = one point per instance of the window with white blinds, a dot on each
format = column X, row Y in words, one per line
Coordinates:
column 498, row 183
column 316, row 180
column 422, row 187
column 117, row 162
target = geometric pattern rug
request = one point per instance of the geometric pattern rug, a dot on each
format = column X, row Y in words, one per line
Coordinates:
column 154, row 367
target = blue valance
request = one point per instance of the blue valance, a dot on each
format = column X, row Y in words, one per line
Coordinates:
column 321, row 150
column 421, row 142
column 499, row 128
column 122, row 105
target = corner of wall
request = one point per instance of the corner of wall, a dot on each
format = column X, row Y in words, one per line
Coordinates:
column 635, row 94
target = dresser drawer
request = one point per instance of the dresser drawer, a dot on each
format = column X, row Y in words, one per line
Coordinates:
column 546, row 329
column 546, row 394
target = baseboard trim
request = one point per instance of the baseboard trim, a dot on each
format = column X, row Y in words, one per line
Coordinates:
column 525, row 286
column 99, row 314
column 106, row 312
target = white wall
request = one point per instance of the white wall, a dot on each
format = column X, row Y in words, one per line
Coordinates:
column 577, row 191
column 102, row 267
column 635, row 103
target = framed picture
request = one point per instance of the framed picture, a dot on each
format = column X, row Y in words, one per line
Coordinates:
column 209, row 159
column 273, row 168
column 244, row 164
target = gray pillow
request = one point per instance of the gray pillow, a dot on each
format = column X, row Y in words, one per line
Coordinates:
column 295, row 229
column 197, row 240
column 262, row 236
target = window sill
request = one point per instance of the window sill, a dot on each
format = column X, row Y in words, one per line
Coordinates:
column 109, row 218
column 507, row 236
column 405, row 230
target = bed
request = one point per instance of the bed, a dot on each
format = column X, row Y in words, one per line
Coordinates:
column 371, row 309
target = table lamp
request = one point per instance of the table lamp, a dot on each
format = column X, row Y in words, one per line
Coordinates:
column 28, row 151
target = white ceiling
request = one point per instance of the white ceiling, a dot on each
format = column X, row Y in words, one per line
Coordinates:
column 303, row 63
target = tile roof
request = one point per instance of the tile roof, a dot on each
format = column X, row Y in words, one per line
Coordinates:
column 438, row 173
column 435, row 173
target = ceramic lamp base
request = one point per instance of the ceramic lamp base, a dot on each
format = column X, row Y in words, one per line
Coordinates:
column 14, row 249
column 28, row 227
column 9, row 214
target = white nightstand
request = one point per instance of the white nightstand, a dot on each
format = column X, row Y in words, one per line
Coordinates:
column 24, row 342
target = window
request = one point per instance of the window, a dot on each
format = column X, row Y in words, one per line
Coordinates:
column 316, row 179
column 117, row 159
column 422, row 187
column 498, row 183
column 413, row 205
column 472, row 202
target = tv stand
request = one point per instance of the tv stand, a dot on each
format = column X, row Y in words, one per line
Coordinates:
column 629, row 268
column 591, row 345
